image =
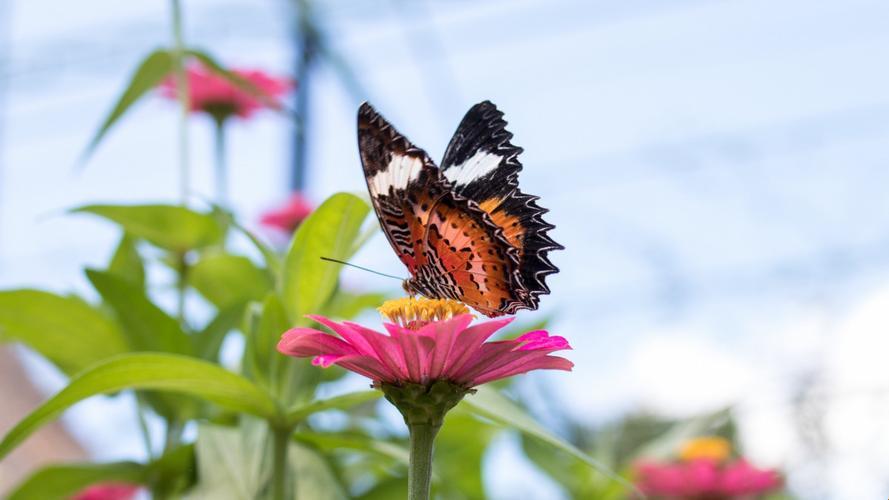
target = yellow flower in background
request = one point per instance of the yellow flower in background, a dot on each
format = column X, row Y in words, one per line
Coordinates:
column 709, row 447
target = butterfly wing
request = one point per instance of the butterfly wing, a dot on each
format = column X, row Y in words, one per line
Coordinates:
column 392, row 165
column 452, row 248
column 483, row 166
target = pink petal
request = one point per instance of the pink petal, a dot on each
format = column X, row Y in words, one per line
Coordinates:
column 702, row 477
column 305, row 342
column 346, row 332
column 541, row 340
column 417, row 354
column 465, row 344
column 387, row 349
column 107, row 491
column 368, row 366
column 540, row 363
column 443, row 335
column 487, row 356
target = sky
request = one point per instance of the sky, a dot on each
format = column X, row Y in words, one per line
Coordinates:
column 716, row 171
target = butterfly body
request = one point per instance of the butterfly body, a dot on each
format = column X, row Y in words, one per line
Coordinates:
column 464, row 231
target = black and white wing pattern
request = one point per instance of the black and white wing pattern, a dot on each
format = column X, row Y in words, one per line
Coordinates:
column 482, row 165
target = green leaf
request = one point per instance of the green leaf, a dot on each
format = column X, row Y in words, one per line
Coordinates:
column 227, row 280
column 315, row 479
column 459, row 452
column 150, row 73
column 307, row 281
column 235, row 463
column 491, row 404
column 163, row 372
column 126, row 261
column 272, row 259
column 669, row 442
column 66, row 330
column 265, row 324
column 148, row 327
column 172, row 227
column 208, row 341
column 60, row 482
column 347, row 305
column 359, row 442
column 300, row 413
column 173, row 472
column 386, row 490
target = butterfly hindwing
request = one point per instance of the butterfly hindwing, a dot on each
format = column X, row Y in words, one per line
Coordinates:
column 483, row 164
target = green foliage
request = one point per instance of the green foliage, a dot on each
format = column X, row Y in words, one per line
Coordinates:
column 208, row 341
column 348, row 305
column 164, row 372
column 228, row 280
column 235, row 463
column 181, row 380
column 150, row 73
column 345, row 440
column 147, row 326
column 491, row 404
column 60, row 482
column 299, row 413
column 172, row 227
column 307, row 281
column 459, row 451
column 65, row 330
column 127, row 263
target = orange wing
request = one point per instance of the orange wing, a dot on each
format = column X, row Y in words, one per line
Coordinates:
column 464, row 256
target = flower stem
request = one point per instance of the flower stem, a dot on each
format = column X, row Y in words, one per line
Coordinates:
column 419, row 478
column 182, row 93
column 423, row 407
column 221, row 166
column 143, row 426
column 181, row 287
column 281, row 438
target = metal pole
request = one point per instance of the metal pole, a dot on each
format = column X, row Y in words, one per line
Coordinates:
column 304, row 37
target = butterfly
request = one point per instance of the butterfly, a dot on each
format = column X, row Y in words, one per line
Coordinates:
column 465, row 231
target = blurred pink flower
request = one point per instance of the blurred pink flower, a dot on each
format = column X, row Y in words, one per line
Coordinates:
column 288, row 216
column 107, row 491
column 429, row 340
column 216, row 96
column 705, row 478
column 741, row 478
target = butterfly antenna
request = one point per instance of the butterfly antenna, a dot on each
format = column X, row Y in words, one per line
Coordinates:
column 362, row 268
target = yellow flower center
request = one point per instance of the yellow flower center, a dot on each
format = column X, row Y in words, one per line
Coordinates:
column 415, row 313
column 710, row 447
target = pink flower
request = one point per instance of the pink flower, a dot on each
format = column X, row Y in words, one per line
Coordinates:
column 660, row 479
column 704, row 478
column 288, row 216
column 213, row 94
column 741, row 478
column 428, row 341
column 107, row 491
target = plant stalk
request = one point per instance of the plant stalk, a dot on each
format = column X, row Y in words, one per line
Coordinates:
column 281, row 438
column 419, row 478
column 183, row 95
column 143, row 425
column 181, row 287
column 221, row 164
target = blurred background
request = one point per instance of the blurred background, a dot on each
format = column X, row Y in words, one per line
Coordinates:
column 717, row 171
